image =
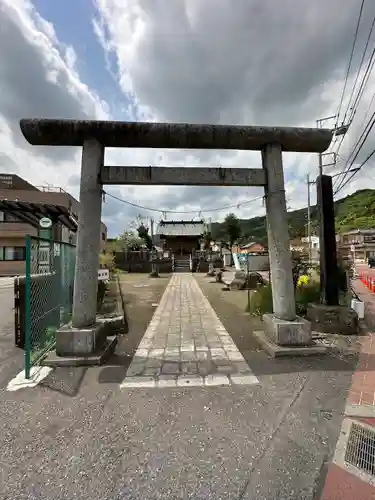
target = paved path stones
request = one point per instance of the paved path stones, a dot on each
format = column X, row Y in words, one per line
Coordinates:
column 186, row 344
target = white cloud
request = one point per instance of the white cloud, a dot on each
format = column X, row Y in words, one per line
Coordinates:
column 248, row 62
column 38, row 79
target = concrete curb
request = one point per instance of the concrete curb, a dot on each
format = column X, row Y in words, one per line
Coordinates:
column 364, row 411
column 123, row 306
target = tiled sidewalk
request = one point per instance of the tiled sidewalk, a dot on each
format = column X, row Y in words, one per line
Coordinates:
column 361, row 399
column 186, row 344
column 345, row 481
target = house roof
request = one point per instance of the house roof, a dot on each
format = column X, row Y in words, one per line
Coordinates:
column 180, row 228
column 248, row 245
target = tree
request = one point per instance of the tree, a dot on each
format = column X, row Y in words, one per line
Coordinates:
column 144, row 234
column 233, row 228
column 130, row 241
column 206, row 239
column 107, row 255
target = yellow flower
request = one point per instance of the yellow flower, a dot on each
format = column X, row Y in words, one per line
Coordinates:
column 303, row 280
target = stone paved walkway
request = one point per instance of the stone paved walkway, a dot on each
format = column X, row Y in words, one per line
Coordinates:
column 186, row 344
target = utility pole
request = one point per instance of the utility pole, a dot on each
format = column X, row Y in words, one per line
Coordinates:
column 320, row 163
column 308, row 216
column 327, row 236
column 319, row 124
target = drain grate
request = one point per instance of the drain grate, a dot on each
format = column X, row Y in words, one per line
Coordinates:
column 360, row 450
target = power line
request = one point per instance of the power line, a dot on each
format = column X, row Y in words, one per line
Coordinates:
column 358, row 73
column 368, row 109
column 350, row 62
column 362, row 87
column 359, row 137
column 158, row 210
column 363, row 137
column 356, row 171
column 364, row 82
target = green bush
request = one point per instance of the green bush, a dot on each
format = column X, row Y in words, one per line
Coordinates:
column 342, row 269
column 261, row 300
column 305, row 295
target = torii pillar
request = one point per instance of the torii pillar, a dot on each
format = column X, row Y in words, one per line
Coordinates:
column 80, row 343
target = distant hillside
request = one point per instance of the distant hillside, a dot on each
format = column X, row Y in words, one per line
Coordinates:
column 355, row 211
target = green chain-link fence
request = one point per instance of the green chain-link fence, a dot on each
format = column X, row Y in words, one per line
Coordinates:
column 49, row 283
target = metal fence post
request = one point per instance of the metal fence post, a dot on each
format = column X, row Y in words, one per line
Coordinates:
column 27, row 308
column 48, row 295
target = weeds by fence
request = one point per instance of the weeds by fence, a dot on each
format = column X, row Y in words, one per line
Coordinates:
column 49, row 281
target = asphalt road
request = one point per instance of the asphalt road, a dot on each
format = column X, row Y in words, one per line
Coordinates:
column 78, row 435
column 6, row 282
column 11, row 358
column 365, row 269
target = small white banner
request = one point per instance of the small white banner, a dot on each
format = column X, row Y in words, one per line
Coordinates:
column 103, row 274
column 352, row 248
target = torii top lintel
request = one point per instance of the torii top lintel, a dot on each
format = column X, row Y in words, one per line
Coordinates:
column 54, row 132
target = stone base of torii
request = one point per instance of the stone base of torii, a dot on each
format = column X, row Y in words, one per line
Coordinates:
column 88, row 340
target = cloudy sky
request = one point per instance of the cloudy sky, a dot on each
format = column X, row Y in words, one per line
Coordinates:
column 256, row 62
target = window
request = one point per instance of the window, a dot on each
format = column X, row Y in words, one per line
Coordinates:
column 12, row 253
column 103, row 236
column 7, row 217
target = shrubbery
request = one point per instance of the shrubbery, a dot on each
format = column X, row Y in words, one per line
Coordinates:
column 261, row 300
column 305, row 295
column 107, row 260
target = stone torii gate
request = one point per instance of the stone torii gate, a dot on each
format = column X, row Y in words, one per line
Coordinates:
column 82, row 341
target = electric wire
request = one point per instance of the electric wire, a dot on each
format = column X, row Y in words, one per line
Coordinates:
column 359, row 144
column 358, row 73
column 197, row 211
column 350, row 62
column 356, row 171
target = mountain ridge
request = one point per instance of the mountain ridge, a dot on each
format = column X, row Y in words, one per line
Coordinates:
column 355, row 211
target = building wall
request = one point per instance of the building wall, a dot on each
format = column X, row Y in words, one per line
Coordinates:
column 183, row 243
column 301, row 246
column 50, row 197
column 13, row 234
column 16, row 230
column 13, row 181
column 259, row 263
column 12, row 265
column 54, row 198
column 362, row 241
